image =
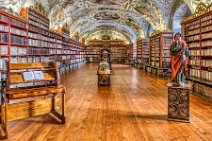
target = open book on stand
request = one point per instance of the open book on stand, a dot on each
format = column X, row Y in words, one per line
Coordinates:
column 33, row 75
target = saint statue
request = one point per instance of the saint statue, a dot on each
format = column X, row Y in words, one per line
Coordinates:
column 179, row 60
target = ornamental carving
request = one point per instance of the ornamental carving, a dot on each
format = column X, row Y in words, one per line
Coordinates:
column 107, row 16
column 178, row 104
column 108, row 2
column 200, row 10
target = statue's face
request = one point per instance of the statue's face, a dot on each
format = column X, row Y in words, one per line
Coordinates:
column 177, row 37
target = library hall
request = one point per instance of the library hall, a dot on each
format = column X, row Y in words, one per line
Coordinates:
column 106, row 70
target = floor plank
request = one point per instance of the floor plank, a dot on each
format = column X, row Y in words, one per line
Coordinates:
column 133, row 108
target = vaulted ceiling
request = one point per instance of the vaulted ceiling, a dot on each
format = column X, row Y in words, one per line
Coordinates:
column 126, row 19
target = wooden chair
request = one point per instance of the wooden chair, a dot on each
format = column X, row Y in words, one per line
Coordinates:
column 26, row 99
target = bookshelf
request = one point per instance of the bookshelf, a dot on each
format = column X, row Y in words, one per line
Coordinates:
column 3, row 69
column 66, row 59
column 159, row 52
column 13, row 38
column 93, row 53
column 132, row 55
column 38, row 36
column 56, row 48
column 118, row 51
column 197, row 32
column 70, row 54
column 139, row 51
column 28, row 39
column 143, row 53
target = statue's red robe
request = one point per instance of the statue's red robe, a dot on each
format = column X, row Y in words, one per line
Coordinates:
column 176, row 61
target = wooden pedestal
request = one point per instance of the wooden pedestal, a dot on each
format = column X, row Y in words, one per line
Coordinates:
column 178, row 103
column 103, row 79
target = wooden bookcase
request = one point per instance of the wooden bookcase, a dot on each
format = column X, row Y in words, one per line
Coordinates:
column 92, row 54
column 143, row 53
column 132, row 57
column 71, row 54
column 118, row 51
column 139, row 55
column 38, row 36
column 3, row 70
column 66, row 54
column 28, row 39
column 160, row 52
column 55, row 47
column 13, row 38
column 197, row 31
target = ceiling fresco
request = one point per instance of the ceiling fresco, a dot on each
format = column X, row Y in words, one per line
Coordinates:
column 134, row 17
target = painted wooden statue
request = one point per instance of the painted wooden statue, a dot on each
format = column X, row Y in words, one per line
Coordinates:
column 179, row 60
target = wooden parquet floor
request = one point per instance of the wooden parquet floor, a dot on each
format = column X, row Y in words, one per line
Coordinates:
column 133, row 108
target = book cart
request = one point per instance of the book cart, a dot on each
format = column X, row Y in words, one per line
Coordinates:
column 197, row 31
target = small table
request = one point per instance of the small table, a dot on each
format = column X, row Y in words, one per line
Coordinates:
column 178, row 102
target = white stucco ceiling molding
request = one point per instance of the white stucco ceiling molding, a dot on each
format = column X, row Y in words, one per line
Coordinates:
column 73, row 8
column 88, row 37
column 77, row 18
column 151, row 13
column 121, row 28
column 180, row 14
column 124, row 32
column 88, row 20
column 113, row 33
column 194, row 3
column 77, row 14
column 114, row 24
column 51, row 4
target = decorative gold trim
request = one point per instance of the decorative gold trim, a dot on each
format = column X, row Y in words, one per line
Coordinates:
column 12, row 12
column 200, row 10
column 155, row 33
column 145, row 39
column 39, row 8
column 66, row 27
column 210, row 7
